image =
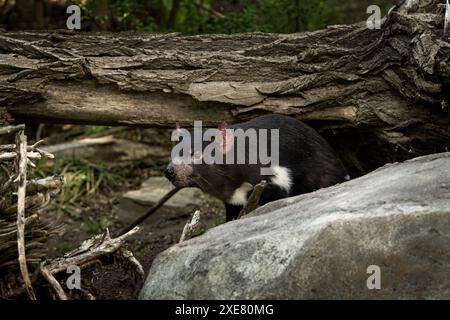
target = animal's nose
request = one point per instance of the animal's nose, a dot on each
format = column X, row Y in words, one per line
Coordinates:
column 169, row 172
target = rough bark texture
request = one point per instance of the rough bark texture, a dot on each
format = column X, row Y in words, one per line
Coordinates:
column 386, row 90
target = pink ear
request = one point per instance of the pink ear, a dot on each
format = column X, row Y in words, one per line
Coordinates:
column 226, row 138
column 223, row 130
column 178, row 132
column 223, row 126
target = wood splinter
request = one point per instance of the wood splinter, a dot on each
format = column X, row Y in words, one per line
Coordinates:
column 190, row 227
column 253, row 200
column 90, row 250
column 21, row 220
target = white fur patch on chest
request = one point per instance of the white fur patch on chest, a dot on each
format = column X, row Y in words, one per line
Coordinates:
column 282, row 178
column 239, row 196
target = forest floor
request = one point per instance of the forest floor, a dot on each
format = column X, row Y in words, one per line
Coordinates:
column 91, row 213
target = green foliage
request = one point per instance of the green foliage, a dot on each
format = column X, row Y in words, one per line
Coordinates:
column 245, row 16
column 249, row 16
column 93, row 130
column 315, row 14
column 201, row 16
column 81, row 178
column 118, row 15
column 93, row 227
column 199, row 231
column 204, row 16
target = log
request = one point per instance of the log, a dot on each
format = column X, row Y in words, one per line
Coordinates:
column 384, row 90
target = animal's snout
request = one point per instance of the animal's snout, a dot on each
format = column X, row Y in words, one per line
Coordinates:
column 169, row 172
column 178, row 174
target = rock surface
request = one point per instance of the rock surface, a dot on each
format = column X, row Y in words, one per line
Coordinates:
column 319, row 245
column 155, row 188
column 135, row 203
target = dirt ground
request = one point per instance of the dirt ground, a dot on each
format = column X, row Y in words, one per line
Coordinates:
column 158, row 232
column 93, row 213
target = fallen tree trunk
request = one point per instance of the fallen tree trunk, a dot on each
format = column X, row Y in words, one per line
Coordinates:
column 385, row 89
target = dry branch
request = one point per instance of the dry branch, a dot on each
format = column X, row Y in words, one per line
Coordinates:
column 90, row 251
column 82, row 143
column 253, row 200
column 21, row 200
column 53, row 282
column 22, row 233
column 33, row 153
column 11, row 129
column 190, row 227
column 45, row 185
column 21, row 194
column 33, row 195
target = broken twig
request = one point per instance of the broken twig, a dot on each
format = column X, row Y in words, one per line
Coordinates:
column 253, row 200
column 21, row 194
column 10, row 129
column 82, row 143
column 90, row 251
column 53, row 282
column 190, row 227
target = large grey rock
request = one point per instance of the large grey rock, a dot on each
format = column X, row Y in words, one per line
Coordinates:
column 320, row 245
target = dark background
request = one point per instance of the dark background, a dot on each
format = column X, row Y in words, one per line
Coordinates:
column 188, row 16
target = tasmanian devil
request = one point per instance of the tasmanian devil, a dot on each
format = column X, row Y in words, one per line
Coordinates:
column 301, row 162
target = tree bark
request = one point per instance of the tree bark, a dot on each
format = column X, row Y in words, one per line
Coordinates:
column 377, row 95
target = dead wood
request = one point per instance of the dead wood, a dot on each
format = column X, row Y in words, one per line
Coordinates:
column 80, row 143
column 23, row 234
column 11, row 129
column 253, row 199
column 21, row 193
column 384, row 90
column 91, row 250
column 190, row 227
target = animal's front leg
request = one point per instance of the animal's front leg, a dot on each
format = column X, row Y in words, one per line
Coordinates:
column 232, row 211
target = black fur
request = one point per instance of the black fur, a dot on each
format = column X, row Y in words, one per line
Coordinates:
column 311, row 161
